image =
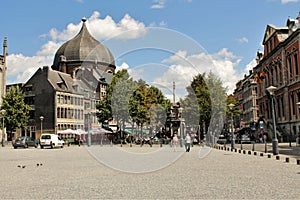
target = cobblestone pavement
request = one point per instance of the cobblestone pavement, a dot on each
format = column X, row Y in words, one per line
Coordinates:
column 204, row 173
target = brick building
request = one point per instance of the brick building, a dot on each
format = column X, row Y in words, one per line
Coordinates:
column 280, row 64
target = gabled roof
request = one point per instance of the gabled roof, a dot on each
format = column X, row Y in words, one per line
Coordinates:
column 271, row 29
column 60, row 81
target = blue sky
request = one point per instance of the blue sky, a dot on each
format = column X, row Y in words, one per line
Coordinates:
column 228, row 32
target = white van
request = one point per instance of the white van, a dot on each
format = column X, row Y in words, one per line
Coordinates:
column 51, row 140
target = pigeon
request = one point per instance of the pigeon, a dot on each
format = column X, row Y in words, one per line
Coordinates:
column 23, row 166
column 19, row 165
column 37, row 164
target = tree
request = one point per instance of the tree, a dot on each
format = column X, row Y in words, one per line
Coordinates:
column 122, row 92
column 218, row 103
column 197, row 103
column 138, row 105
column 149, row 105
column 16, row 111
column 131, row 101
column 104, row 107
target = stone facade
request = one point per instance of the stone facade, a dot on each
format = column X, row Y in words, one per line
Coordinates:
column 65, row 95
column 246, row 96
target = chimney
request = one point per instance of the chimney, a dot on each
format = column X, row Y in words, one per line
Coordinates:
column 298, row 18
column 62, row 64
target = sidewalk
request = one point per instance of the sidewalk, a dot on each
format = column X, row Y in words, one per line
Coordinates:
column 283, row 148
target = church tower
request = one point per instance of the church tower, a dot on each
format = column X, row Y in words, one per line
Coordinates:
column 3, row 71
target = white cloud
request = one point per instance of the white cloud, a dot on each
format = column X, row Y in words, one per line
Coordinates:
column 158, row 4
column 184, row 67
column 101, row 29
column 243, row 40
column 124, row 65
column 289, row 1
column 250, row 66
column 21, row 67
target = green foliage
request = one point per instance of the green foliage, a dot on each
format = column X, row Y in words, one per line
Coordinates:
column 198, row 90
column 130, row 101
column 148, row 105
column 218, row 98
column 116, row 98
column 205, row 103
column 235, row 110
column 16, row 111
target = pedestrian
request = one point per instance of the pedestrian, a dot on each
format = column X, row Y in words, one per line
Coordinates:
column 175, row 142
column 188, row 141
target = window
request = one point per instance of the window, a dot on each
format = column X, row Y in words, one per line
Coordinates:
column 290, row 68
column 296, row 65
column 293, row 103
column 282, row 106
column 280, row 72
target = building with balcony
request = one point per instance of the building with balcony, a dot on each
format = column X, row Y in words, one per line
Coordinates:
column 246, row 97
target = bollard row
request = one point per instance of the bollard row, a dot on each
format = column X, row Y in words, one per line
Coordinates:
column 255, row 153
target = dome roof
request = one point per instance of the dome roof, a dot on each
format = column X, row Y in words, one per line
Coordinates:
column 83, row 48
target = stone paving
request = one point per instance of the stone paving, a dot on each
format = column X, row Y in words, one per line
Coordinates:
column 204, row 173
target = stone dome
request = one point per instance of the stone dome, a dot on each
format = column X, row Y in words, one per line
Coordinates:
column 83, row 48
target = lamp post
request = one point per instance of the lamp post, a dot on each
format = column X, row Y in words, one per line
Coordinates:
column 181, row 128
column 41, row 118
column 3, row 113
column 232, row 130
column 271, row 90
column 298, row 141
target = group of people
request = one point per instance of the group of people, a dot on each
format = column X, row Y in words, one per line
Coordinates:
column 188, row 141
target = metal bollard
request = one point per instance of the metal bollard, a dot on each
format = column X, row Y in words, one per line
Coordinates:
column 269, row 155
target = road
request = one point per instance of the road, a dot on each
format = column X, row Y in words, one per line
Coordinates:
column 86, row 173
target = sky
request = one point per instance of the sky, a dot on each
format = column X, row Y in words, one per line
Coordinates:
column 160, row 41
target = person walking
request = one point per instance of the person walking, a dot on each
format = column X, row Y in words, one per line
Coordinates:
column 174, row 142
column 188, row 141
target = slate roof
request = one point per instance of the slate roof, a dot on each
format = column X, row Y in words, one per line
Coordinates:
column 83, row 47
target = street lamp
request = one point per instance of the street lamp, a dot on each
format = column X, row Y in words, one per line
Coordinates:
column 41, row 118
column 297, row 141
column 89, row 127
column 3, row 113
column 271, row 90
column 181, row 124
column 232, row 130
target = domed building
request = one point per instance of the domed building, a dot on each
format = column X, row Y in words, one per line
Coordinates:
column 64, row 97
column 83, row 51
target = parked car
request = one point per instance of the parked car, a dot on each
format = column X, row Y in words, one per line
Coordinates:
column 245, row 138
column 222, row 139
column 25, row 142
column 51, row 140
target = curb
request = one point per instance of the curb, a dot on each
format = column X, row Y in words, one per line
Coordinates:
column 257, row 153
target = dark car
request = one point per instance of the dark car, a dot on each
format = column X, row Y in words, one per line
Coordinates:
column 245, row 139
column 25, row 142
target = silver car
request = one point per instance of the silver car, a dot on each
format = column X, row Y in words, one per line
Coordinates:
column 25, row 142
